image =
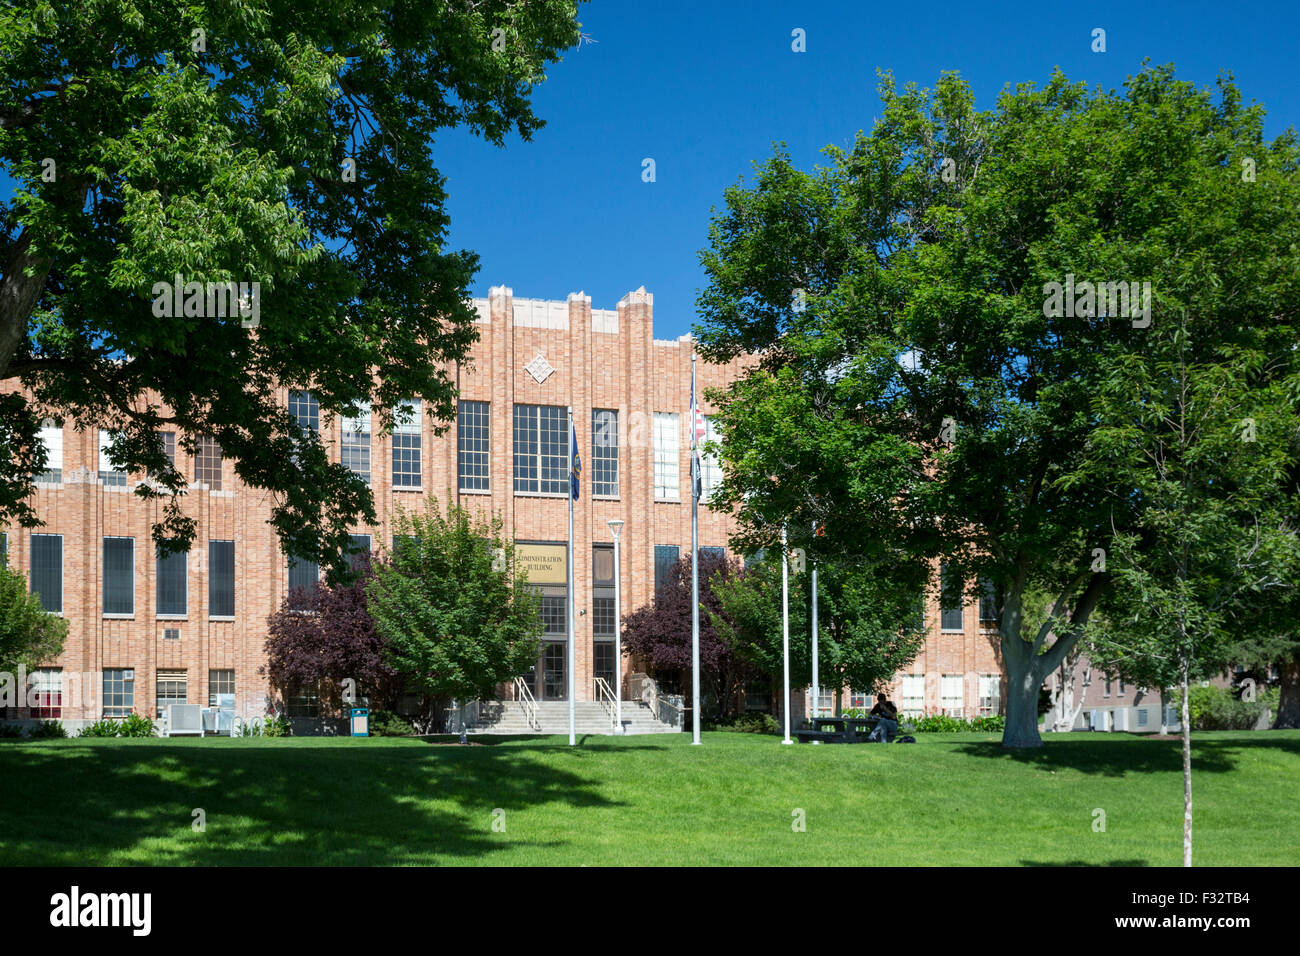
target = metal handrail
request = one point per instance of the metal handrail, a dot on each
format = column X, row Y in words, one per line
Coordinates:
column 524, row 694
column 605, row 694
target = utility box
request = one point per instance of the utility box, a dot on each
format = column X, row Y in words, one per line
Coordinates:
column 360, row 721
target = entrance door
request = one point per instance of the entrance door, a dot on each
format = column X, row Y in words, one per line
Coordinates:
column 554, row 685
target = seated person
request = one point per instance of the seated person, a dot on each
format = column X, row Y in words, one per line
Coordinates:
column 887, row 725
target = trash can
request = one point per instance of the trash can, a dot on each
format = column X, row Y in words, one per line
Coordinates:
column 360, row 721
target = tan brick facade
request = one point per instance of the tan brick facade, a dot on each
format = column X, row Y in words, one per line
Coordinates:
column 600, row 359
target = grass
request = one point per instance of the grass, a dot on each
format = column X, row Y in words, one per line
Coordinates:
column 951, row 799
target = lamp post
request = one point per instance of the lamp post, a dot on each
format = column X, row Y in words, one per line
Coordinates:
column 616, row 529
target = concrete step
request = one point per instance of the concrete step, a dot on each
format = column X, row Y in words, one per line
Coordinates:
column 590, row 717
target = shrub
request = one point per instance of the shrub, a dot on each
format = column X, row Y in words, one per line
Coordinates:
column 750, row 723
column 943, row 724
column 10, row 731
column 49, row 729
column 277, row 725
column 100, row 728
column 386, row 724
column 136, row 726
column 1217, row 708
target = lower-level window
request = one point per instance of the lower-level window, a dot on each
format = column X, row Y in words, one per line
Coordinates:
column 860, row 699
column 172, row 688
column 220, row 682
column 913, row 694
column 990, row 694
column 305, row 703
column 119, row 692
column 952, row 692
column 46, row 698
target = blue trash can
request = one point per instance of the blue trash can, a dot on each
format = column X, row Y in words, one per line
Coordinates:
column 359, row 721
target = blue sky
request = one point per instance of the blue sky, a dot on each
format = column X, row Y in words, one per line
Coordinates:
column 705, row 89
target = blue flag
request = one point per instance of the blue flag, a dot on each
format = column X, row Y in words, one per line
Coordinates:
column 575, row 471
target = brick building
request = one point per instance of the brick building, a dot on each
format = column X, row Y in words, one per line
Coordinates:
column 145, row 632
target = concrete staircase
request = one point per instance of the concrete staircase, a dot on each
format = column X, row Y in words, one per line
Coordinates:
column 590, row 717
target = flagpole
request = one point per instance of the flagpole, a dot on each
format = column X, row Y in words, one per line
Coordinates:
column 569, row 563
column 785, row 630
column 695, row 570
column 817, row 691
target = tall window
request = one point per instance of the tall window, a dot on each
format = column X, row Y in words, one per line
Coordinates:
column 47, row 692
column 172, row 687
column 305, row 410
column 988, row 602
column 119, row 691
column 860, row 699
column 207, row 462
column 119, row 576
column 710, row 464
column 110, row 473
column 604, row 661
column 950, row 616
column 358, row 550
column 355, row 451
column 472, row 446
column 541, row 450
column 173, row 584
column 47, row 570
column 221, row 579
column 604, row 452
column 52, row 438
column 304, row 579
column 952, row 694
column 220, row 682
column 168, row 442
column 666, row 555
column 913, row 694
column 667, row 432
column 555, row 615
column 602, row 591
column 406, row 445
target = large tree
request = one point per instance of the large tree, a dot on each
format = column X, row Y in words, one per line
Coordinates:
column 923, row 386
column 283, row 142
column 660, row 632
column 454, row 609
column 326, row 637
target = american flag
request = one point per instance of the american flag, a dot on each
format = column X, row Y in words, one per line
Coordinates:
column 697, row 433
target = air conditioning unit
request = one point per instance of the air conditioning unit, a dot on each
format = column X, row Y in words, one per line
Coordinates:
column 128, row 675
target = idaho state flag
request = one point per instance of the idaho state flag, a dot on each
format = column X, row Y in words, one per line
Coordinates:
column 575, row 469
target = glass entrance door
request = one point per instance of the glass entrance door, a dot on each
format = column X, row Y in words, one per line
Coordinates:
column 554, row 685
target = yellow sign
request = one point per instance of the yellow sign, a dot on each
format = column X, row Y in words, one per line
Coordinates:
column 545, row 563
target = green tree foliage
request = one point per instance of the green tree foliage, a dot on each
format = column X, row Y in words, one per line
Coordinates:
column 29, row 635
column 916, row 393
column 454, row 611
column 285, row 142
column 867, row 623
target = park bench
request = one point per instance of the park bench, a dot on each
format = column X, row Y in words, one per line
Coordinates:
column 838, row 730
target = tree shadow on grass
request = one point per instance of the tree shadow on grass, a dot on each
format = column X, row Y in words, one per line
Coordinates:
column 264, row 803
column 551, row 743
column 1083, row 863
column 1120, row 755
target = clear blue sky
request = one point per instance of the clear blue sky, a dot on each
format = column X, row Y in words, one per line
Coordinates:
column 705, row 88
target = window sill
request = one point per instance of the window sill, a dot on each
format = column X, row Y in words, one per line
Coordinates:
column 542, row 494
column 119, row 617
column 605, row 498
column 487, row 492
column 668, row 501
column 172, row 617
column 414, row 488
column 216, row 617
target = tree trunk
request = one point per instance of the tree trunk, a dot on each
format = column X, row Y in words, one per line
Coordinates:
column 1187, row 768
column 1164, row 711
column 1023, row 683
column 1288, row 705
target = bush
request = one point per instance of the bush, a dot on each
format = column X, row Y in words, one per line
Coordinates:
column 277, row 725
column 49, row 729
column 750, row 723
column 10, row 731
column 943, row 724
column 136, row 726
column 100, row 728
column 383, row 723
column 1217, row 708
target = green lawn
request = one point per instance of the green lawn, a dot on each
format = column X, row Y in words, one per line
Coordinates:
column 948, row 800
